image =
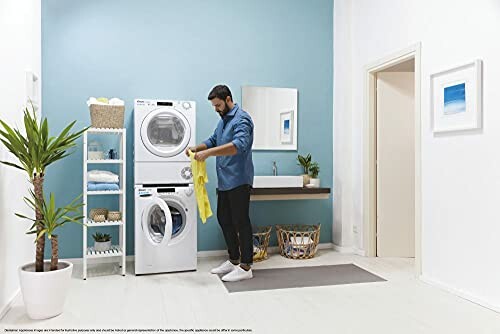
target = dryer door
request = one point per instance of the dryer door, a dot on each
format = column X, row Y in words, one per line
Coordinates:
column 165, row 132
column 157, row 223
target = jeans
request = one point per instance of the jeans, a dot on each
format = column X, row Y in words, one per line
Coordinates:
column 233, row 216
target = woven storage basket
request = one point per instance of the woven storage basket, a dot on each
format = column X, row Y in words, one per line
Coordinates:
column 107, row 116
column 114, row 215
column 99, row 218
column 298, row 241
column 261, row 242
column 98, row 212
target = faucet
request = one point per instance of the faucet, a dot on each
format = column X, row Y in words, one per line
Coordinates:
column 275, row 169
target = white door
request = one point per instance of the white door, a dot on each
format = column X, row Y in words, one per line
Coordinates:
column 396, row 164
column 165, row 132
column 157, row 229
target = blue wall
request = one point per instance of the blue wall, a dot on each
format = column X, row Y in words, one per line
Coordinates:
column 180, row 50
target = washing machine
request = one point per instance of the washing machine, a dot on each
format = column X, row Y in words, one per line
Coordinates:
column 163, row 129
column 165, row 228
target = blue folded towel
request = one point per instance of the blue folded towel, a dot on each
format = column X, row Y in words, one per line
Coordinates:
column 99, row 186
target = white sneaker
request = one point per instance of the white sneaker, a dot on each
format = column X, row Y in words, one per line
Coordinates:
column 238, row 274
column 224, row 268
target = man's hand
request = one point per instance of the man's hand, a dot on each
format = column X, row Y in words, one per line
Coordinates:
column 202, row 156
column 192, row 149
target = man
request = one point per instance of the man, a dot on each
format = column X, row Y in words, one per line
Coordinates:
column 231, row 144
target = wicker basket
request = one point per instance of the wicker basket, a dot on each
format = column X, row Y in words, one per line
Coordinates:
column 261, row 242
column 107, row 116
column 298, row 241
column 98, row 212
column 99, row 218
column 114, row 215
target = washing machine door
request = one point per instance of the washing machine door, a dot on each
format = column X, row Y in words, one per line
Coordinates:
column 165, row 132
column 157, row 223
column 180, row 225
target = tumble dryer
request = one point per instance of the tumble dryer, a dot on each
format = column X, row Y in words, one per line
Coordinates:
column 163, row 129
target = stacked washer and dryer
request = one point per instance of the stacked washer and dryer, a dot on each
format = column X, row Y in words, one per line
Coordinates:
column 165, row 203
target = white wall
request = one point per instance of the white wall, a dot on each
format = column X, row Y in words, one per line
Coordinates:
column 20, row 37
column 342, row 202
column 460, row 173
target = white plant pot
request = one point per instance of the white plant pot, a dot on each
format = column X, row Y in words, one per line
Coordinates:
column 102, row 246
column 314, row 183
column 44, row 293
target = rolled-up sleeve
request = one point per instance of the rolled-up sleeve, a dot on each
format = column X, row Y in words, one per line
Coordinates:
column 242, row 135
column 212, row 140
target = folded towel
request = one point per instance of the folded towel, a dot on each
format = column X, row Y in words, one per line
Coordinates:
column 99, row 186
column 104, row 101
column 102, row 176
column 116, row 102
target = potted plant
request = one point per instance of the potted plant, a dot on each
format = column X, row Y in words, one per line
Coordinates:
column 314, row 171
column 305, row 162
column 44, row 293
column 35, row 151
column 102, row 242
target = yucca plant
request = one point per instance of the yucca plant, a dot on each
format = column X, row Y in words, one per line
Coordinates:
column 52, row 219
column 36, row 150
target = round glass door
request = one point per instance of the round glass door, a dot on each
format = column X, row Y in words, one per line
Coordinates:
column 157, row 223
column 165, row 132
column 178, row 219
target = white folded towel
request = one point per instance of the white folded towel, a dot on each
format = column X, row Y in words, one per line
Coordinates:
column 116, row 102
column 102, row 176
column 113, row 102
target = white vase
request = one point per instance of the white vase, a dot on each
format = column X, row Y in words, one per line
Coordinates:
column 44, row 293
column 102, row 246
column 314, row 183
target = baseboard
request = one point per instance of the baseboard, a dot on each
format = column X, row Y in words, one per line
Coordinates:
column 343, row 249
column 200, row 254
column 4, row 309
column 359, row 252
column 270, row 250
column 460, row 293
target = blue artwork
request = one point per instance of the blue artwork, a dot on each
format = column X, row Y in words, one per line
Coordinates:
column 286, row 127
column 454, row 99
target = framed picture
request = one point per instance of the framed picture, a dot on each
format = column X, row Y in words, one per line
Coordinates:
column 456, row 98
column 286, row 123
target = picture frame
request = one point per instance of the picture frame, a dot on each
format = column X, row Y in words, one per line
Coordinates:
column 286, row 127
column 456, row 98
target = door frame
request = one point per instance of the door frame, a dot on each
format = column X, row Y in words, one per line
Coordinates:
column 370, row 146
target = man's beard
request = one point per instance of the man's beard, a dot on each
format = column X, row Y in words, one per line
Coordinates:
column 225, row 111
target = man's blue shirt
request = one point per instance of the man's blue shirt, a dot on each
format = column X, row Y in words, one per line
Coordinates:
column 234, row 127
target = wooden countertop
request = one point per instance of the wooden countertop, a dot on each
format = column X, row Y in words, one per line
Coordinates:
column 269, row 194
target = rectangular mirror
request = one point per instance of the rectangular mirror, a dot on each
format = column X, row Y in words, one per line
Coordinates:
column 274, row 113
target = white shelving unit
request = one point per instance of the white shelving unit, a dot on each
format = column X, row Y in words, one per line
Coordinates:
column 118, row 251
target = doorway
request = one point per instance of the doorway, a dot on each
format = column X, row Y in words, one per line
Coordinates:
column 392, row 157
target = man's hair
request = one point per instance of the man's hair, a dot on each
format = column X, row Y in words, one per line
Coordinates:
column 220, row 92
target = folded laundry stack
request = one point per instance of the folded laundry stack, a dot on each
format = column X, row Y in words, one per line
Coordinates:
column 105, row 101
column 98, row 180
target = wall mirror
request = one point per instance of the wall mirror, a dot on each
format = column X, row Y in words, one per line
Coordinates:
column 274, row 113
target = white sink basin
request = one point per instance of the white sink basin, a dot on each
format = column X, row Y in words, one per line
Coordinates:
column 280, row 181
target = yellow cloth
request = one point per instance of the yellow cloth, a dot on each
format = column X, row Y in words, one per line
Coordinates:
column 200, row 177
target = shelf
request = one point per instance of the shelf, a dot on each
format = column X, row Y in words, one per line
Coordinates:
column 105, row 192
column 91, row 223
column 104, row 130
column 105, row 161
column 114, row 251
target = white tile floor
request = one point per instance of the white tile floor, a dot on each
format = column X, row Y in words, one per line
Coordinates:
column 402, row 305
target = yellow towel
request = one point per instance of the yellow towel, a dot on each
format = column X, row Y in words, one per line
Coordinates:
column 200, row 178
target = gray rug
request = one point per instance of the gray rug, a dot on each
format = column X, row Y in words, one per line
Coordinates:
column 299, row 277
